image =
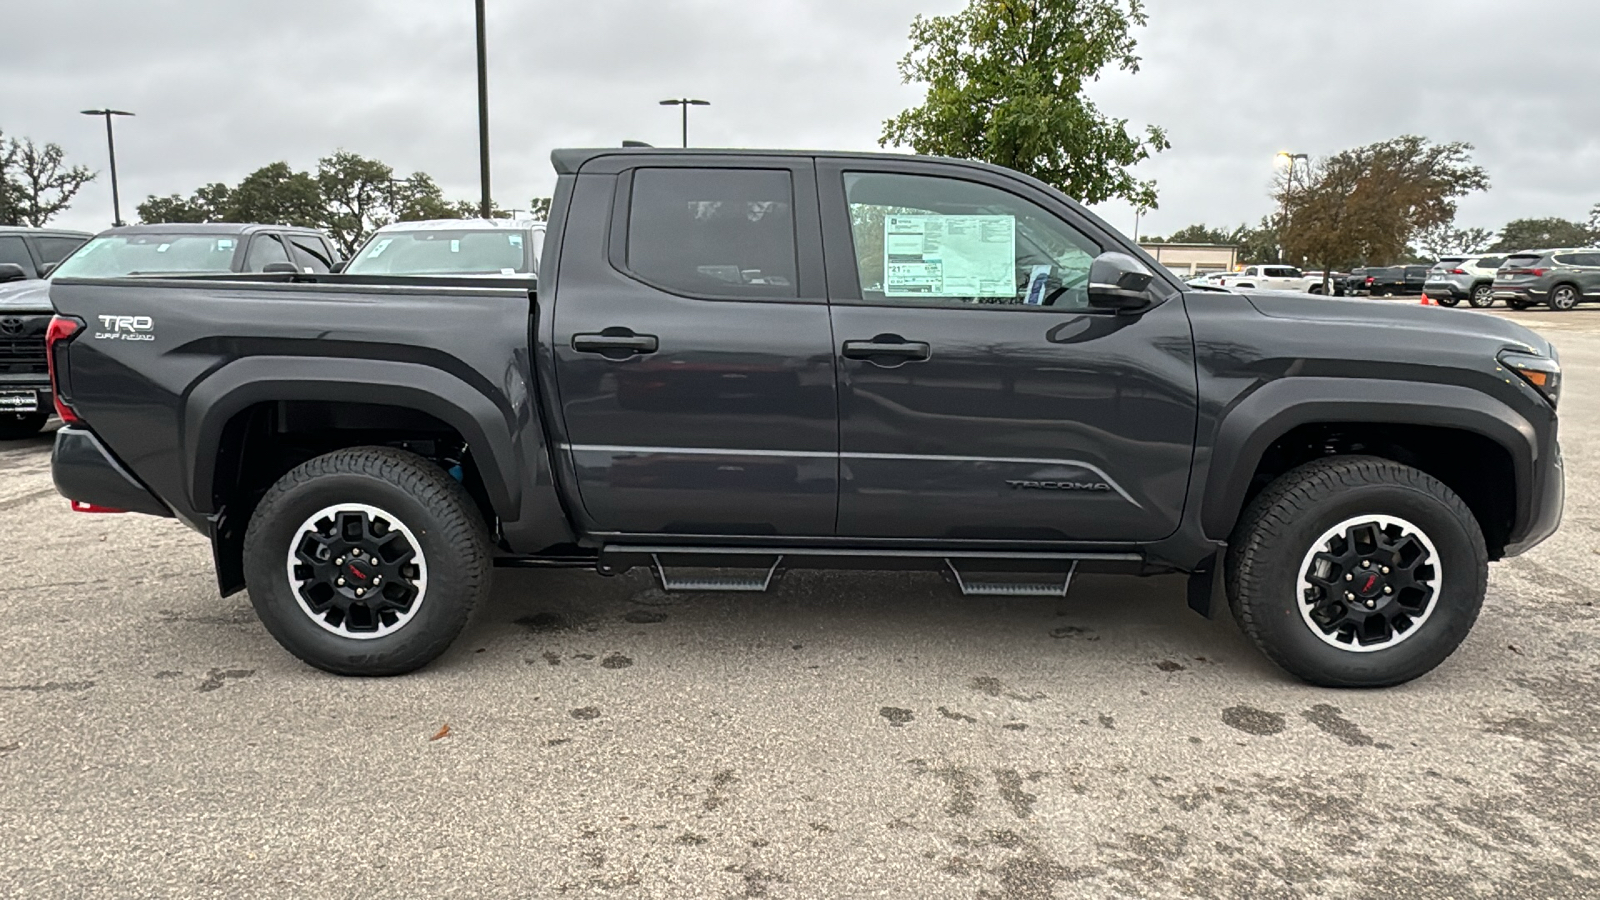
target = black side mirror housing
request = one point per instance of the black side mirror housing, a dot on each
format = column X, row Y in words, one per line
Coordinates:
column 280, row 268
column 1119, row 282
column 11, row 272
column 45, row 271
column 338, row 266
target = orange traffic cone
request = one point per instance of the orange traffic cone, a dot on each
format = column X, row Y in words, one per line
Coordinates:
column 1427, row 301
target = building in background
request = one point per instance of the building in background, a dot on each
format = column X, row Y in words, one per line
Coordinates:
column 1189, row 260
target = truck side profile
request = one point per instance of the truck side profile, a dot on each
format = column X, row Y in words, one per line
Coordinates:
column 740, row 362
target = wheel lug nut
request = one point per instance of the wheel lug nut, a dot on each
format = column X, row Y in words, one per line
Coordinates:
column 339, row 561
column 1387, row 589
column 377, row 579
column 1370, row 604
column 1385, row 570
column 356, row 552
column 1365, row 563
column 362, row 591
column 341, row 582
column 1349, row 596
column 1349, row 577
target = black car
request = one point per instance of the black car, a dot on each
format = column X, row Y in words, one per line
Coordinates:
column 741, row 362
column 1396, row 281
column 1561, row 279
column 28, row 253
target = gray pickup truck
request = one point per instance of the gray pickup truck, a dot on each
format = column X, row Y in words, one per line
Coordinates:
column 738, row 363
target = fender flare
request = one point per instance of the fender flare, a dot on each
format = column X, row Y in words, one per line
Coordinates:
column 1253, row 424
column 484, row 424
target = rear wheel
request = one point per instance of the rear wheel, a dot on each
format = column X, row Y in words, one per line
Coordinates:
column 1482, row 297
column 366, row 561
column 16, row 426
column 1448, row 300
column 1563, row 297
column 1357, row 572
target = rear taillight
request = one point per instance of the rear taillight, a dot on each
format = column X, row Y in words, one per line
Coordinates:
column 1534, row 272
column 62, row 330
column 1370, row 279
column 1458, row 271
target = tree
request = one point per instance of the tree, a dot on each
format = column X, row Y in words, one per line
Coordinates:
column 1537, row 234
column 1366, row 205
column 276, row 194
column 1199, row 234
column 539, row 208
column 1005, row 84
column 36, row 184
column 211, row 203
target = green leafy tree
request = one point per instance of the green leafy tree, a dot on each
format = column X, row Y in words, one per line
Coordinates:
column 1199, row 234
column 539, row 208
column 1448, row 240
column 419, row 198
column 1005, row 84
column 276, row 194
column 1538, row 234
column 211, row 203
column 36, row 184
column 1366, row 205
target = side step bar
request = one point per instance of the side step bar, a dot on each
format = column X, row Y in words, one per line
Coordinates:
column 749, row 580
column 1054, row 587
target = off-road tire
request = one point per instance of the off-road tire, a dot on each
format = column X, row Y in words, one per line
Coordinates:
column 16, row 426
column 1482, row 297
column 1563, row 298
column 435, row 508
column 1278, row 529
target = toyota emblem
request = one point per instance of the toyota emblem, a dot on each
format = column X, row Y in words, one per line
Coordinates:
column 11, row 326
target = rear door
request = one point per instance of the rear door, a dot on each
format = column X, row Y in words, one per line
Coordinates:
column 980, row 397
column 693, row 354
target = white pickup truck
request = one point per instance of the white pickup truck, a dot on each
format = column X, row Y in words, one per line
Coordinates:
column 1272, row 278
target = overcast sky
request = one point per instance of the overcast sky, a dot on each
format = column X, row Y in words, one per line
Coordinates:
column 222, row 87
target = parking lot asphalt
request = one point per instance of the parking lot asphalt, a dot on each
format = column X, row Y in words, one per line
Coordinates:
column 848, row 735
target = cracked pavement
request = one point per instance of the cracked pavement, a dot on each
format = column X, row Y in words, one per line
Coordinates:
column 847, row 735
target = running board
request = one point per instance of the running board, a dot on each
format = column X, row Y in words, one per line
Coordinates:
column 1030, row 585
column 714, row 578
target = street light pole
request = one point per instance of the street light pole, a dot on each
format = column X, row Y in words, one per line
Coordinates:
column 685, row 102
column 111, row 146
column 486, row 205
column 1288, row 190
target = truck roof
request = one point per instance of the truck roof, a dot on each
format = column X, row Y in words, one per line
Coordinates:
column 44, row 232
column 225, row 228
column 463, row 225
column 567, row 161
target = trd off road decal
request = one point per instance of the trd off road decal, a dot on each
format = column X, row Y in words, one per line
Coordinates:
column 126, row 328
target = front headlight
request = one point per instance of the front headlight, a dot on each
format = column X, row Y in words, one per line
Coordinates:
column 1543, row 374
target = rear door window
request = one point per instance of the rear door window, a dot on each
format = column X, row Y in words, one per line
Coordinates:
column 265, row 249
column 1490, row 262
column 311, row 253
column 54, row 249
column 714, row 232
column 1521, row 260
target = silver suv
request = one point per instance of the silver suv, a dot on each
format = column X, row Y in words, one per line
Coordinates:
column 1469, row 278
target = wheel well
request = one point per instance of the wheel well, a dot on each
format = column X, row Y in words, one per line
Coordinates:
column 262, row 443
column 1476, row 468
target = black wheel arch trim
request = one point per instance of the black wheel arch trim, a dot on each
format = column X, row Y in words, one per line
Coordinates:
column 235, row 387
column 1269, row 413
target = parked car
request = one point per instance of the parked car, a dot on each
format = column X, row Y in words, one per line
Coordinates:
column 1271, row 278
column 1330, row 282
column 1469, row 278
column 1396, row 281
column 1209, row 279
column 1560, row 279
column 201, row 249
column 743, row 361
column 30, row 253
column 469, row 247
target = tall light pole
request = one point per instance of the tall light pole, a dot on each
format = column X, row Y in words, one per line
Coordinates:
column 1292, row 158
column 685, row 102
column 486, row 205
column 111, row 145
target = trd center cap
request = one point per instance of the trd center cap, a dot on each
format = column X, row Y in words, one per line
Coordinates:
column 357, row 574
column 1368, row 584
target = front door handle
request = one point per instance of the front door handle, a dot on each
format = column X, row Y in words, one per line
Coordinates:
column 615, row 343
column 888, row 349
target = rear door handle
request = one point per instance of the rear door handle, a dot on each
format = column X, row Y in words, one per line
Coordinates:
column 615, row 343
column 887, row 348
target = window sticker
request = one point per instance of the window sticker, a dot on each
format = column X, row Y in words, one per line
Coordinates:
column 455, row 245
column 163, row 248
column 508, row 271
column 1036, row 285
column 225, row 243
column 516, row 240
column 379, row 247
column 949, row 256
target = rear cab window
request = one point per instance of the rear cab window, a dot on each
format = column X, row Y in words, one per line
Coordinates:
column 714, row 232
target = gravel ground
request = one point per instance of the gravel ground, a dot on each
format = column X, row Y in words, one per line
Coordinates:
column 848, row 735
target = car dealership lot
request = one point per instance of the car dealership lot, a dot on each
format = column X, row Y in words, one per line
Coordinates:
column 847, row 735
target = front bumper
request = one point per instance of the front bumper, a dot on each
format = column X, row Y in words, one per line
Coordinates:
column 1549, row 501
column 85, row 472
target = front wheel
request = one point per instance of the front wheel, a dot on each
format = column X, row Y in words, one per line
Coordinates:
column 366, row 561
column 16, row 426
column 1563, row 297
column 1482, row 297
column 1357, row 571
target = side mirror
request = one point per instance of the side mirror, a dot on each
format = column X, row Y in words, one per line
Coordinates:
column 1118, row 281
column 338, row 266
column 11, row 272
column 48, row 268
column 280, row 268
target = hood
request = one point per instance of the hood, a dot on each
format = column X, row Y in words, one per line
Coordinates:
column 1427, row 321
column 32, row 296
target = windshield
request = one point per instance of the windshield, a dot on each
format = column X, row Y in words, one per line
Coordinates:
column 114, row 256
column 485, row 252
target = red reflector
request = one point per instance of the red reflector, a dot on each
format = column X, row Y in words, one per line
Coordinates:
column 61, row 330
column 80, row 506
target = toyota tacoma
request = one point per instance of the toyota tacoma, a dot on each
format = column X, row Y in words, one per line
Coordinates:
column 737, row 363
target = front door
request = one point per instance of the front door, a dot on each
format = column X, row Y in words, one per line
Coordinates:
column 694, row 358
column 980, row 397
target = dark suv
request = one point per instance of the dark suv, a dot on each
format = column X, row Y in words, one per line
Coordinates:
column 28, row 253
column 1396, row 281
column 1559, row 278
